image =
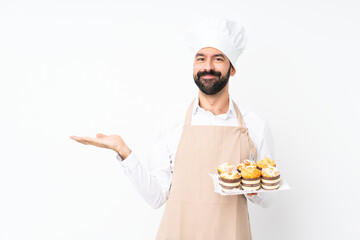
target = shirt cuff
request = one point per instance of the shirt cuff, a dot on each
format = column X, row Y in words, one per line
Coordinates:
column 130, row 162
column 262, row 199
column 251, row 198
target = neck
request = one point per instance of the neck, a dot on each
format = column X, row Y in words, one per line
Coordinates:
column 217, row 104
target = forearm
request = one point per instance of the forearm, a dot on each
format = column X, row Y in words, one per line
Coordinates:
column 154, row 189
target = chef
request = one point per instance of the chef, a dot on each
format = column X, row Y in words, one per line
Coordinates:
column 212, row 130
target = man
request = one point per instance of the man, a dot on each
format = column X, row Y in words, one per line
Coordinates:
column 214, row 131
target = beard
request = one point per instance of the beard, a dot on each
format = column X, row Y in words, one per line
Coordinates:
column 214, row 85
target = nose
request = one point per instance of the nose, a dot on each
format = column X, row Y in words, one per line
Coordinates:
column 208, row 65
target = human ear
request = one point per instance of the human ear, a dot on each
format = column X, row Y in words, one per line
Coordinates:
column 232, row 71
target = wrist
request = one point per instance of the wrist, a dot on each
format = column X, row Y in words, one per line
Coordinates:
column 124, row 152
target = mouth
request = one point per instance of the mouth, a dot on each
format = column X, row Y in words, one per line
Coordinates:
column 208, row 77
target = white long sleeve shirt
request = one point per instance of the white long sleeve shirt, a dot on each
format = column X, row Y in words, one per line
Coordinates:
column 153, row 182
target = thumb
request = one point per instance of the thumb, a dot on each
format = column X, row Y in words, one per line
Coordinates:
column 100, row 135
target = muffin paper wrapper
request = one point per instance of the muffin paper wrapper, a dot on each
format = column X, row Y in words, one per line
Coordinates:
column 283, row 186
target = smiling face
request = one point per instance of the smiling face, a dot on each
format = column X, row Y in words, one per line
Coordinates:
column 212, row 70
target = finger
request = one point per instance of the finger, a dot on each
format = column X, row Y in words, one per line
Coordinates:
column 89, row 140
column 100, row 135
column 78, row 139
column 75, row 138
column 84, row 140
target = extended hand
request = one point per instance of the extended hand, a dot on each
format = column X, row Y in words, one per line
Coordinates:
column 113, row 142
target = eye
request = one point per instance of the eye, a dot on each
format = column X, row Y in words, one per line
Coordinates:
column 218, row 59
column 200, row 59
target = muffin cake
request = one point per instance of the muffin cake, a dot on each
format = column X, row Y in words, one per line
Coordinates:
column 265, row 162
column 246, row 163
column 270, row 179
column 229, row 180
column 250, row 178
column 225, row 167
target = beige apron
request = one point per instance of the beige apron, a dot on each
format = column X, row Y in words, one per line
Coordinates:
column 193, row 210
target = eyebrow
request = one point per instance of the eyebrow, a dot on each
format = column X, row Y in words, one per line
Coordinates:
column 216, row 55
column 219, row 55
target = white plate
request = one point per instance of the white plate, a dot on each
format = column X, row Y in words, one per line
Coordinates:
column 217, row 189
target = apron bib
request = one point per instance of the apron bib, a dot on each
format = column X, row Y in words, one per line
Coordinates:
column 193, row 210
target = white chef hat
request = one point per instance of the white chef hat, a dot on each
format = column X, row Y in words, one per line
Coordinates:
column 222, row 34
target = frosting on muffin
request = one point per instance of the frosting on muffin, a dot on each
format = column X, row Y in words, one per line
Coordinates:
column 246, row 163
column 230, row 175
column 225, row 167
column 250, row 172
column 265, row 162
column 270, row 171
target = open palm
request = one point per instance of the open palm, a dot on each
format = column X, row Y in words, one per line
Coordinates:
column 101, row 140
column 113, row 142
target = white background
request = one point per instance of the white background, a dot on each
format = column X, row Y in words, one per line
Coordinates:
column 82, row 67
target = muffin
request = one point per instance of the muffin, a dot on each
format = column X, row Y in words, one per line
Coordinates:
column 229, row 180
column 225, row 167
column 246, row 163
column 270, row 179
column 265, row 162
column 250, row 178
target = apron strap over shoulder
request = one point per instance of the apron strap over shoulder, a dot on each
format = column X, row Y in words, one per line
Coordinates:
column 239, row 116
column 242, row 125
column 252, row 148
column 189, row 113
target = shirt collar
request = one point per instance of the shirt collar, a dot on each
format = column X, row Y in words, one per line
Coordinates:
column 229, row 114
